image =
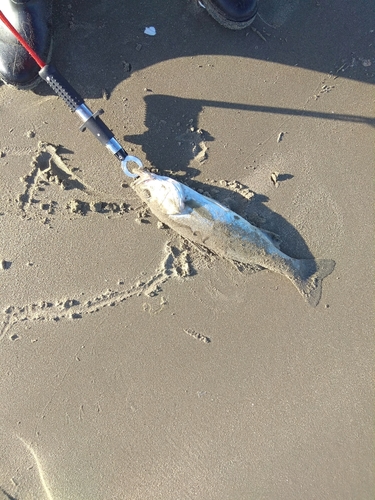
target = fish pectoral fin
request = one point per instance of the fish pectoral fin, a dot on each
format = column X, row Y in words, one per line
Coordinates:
column 273, row 237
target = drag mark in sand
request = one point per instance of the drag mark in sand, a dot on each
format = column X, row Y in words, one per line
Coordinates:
column 173, row 265
column 49, row 169
column 196, row 335
column 43, row 481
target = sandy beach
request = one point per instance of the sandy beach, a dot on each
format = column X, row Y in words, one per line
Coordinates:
column 138, row 365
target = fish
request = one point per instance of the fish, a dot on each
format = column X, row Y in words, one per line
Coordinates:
column 206, row 222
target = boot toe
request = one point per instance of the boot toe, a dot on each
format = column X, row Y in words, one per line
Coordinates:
column 17, row 67
column 32, row 19
column 233, row 14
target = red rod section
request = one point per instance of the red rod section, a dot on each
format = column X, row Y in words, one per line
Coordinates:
column 23, row 42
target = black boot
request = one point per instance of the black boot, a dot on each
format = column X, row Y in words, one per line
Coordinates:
column 33, row 20
column 233, row 14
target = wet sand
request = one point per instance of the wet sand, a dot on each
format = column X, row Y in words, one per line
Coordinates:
column 136, row 364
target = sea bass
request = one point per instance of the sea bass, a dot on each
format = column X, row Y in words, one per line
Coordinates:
column 205, row 221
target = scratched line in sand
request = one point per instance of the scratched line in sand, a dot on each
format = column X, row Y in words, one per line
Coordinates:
column 173, row 265
column 43, row 480
column 49, row 170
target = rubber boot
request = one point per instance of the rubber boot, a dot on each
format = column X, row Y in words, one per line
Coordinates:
column 233, row 14
column 33, row 20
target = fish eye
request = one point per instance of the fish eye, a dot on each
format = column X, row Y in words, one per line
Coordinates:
column 147, row 193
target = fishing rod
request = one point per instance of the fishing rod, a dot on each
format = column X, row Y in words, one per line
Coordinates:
column 76, row 104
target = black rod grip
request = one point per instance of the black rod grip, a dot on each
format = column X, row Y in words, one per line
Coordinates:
column 61, row 87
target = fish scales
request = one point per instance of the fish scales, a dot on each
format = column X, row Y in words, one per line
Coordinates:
column 206, row 222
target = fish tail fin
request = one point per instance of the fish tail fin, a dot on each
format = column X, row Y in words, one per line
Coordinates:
column 309, row 282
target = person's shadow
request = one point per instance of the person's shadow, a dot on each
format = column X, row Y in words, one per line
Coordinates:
column 99, row 44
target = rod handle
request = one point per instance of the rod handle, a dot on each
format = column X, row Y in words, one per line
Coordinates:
column 61, row 87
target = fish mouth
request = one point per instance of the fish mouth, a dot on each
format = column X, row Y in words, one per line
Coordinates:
column 143, row 175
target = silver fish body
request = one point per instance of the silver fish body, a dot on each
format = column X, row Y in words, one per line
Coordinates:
column 208, row 223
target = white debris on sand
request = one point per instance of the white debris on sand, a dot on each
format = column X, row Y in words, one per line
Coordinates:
column 150, row 30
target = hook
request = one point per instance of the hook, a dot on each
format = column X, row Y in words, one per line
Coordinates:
column 124, row 165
